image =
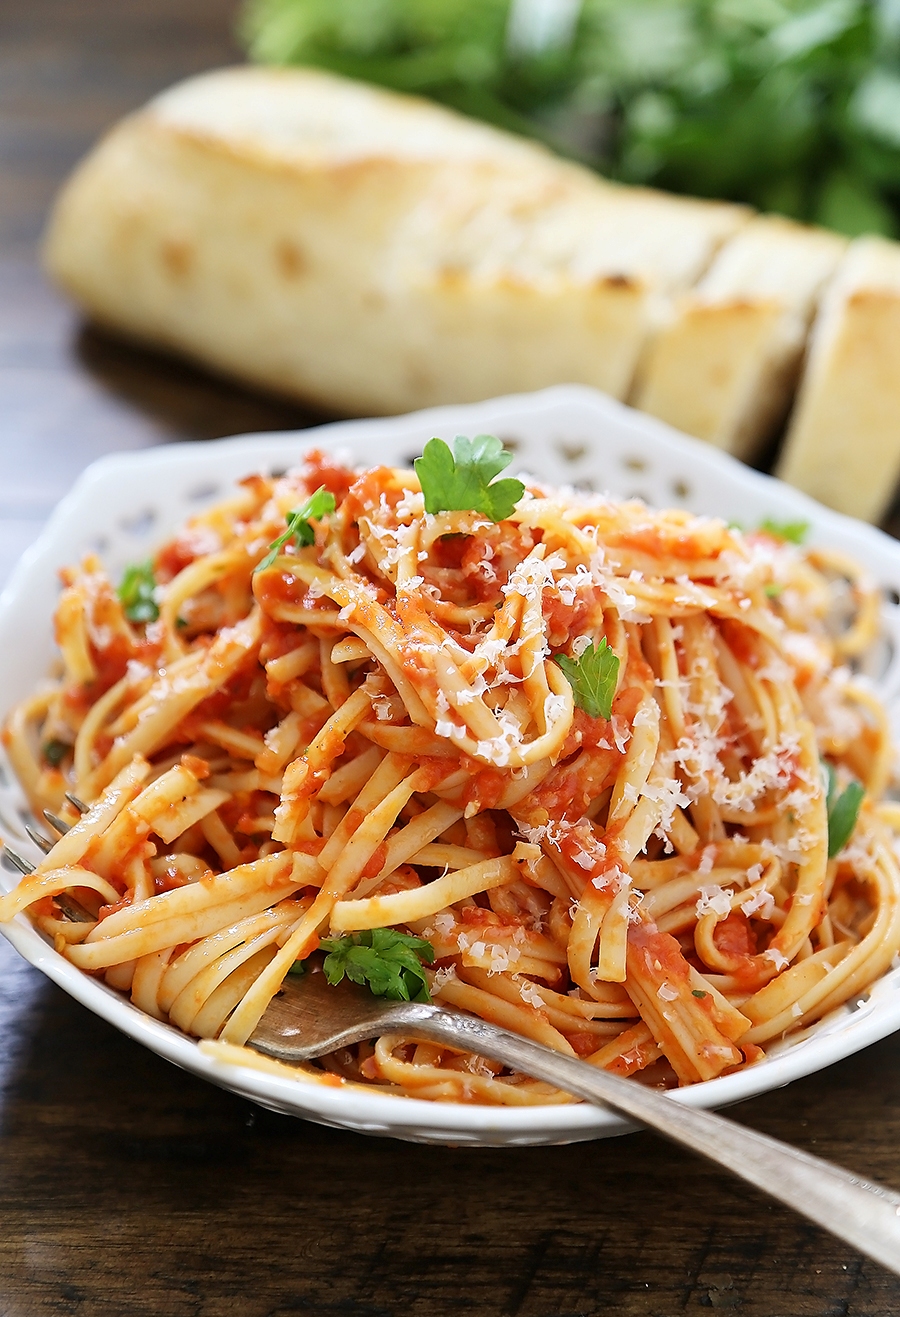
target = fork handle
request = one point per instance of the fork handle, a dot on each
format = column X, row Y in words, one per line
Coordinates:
column 866, row 1215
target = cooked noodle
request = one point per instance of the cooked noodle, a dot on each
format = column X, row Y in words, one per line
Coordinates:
column 373, row 732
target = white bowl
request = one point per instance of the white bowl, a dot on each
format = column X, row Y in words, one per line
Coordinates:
column 124, row 505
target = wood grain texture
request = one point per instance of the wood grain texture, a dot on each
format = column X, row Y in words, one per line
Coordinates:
column 128, row 1188
column 68, row 394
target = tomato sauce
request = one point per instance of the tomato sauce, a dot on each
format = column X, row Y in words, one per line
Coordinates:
column 734, row 935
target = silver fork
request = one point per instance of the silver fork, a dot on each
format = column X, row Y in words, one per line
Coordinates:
column 309, row 1018
column 70, row 908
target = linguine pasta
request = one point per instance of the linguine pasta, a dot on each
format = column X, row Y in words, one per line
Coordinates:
column 374, row 731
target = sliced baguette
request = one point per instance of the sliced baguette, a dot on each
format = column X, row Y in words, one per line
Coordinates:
column 367, row 251
column 843, row 442
column 725, row 366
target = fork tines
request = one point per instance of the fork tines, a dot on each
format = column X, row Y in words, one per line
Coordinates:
column 24, row 866
column 43, row 843
column 56, row 822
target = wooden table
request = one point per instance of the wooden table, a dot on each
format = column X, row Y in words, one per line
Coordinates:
column 127, row 1187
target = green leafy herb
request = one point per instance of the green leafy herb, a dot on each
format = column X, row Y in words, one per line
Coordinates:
column 698, row 992
column 298, row 968
column 460, row 481
column 791, row 105
column 54, row 752
column 137, row 592
column 795, row 532
column 387, row 962
column 317, row 506
column 593, row 677
column 843, row 811
column 773, row 590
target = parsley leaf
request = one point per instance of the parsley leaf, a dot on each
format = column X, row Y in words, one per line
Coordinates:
column 316, row 506
column 698, row 992
column 54, row 752
column 137, row 593
column 795, row 532
column 593, row 677
column 387, row 962
column 460, row 481
column 843, row 811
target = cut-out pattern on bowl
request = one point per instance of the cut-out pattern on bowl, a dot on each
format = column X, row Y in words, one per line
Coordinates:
column 568, row 436
column 141, row 524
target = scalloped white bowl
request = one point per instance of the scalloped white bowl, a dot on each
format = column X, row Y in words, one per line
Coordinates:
column 124, row 505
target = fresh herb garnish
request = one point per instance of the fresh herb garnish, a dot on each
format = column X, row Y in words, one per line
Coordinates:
column 387, row 962
column 773, row 591
column 794, row 532
column 54, row 752
column 843, row 811
column 787, row 104
column 593, row 677
column 137, row 592
column 460, row 481
column 317, row 506
column 698, row 992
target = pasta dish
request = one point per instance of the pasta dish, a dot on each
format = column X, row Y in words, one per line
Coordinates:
column 599, row 774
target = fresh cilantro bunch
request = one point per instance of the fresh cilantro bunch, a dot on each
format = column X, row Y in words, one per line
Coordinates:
column 299, row 526
column 791, row 105
column 385, row 961
column 843, row 811
column 137, row 591
column 592, row 676
column 463, row 480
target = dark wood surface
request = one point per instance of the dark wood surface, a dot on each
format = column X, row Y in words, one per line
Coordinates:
column 127, row 1187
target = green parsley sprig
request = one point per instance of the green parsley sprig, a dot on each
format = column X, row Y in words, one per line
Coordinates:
column 843, row 811
column 794, row 532
column 385, row 961
column 54, row 752
column 299, row 527
column 592, row 676
column 137, row 591
column 461, row 480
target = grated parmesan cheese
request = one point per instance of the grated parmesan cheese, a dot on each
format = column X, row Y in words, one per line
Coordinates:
column 530, row 995
column 714, row 900
column 760, row 903
column 442, row 976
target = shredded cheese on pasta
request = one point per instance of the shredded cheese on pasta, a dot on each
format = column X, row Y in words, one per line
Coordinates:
column 372, row 732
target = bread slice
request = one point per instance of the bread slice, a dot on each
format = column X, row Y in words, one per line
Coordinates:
column 368, row 251
column 724, row 367
column 843, row 442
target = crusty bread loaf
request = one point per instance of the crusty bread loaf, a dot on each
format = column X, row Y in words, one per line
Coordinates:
column 372, row 252
column 368, row 251
column 725, row 366
column 843, row 444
